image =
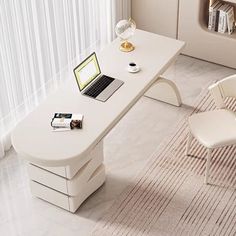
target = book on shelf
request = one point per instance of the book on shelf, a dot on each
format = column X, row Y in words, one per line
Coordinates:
column 218, row 17
column 230, row 19
column 222, row 24
column 67, row 121
column 213, row 9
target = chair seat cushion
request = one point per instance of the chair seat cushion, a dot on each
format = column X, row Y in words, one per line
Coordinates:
column 214, row 128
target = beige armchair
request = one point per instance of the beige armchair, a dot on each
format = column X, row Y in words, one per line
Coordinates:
column 217, row 128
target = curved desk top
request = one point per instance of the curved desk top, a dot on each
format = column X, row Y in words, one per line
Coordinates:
column 33, row 138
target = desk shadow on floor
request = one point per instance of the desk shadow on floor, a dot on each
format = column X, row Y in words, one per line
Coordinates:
column 99, row 201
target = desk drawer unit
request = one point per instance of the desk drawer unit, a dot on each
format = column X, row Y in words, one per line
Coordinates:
column 70, row 203
column 53, row 185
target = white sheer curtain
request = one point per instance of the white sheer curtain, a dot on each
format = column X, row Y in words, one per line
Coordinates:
column 40, row 40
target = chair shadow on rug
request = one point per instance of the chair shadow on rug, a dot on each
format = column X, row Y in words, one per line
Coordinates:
column 196, row 157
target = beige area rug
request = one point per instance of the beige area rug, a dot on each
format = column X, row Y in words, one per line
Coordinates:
column 168, row 197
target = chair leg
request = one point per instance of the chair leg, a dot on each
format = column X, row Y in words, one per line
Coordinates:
column 207, row 165
column 189, row 141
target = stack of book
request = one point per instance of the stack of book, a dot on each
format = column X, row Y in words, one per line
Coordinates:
column 67, row 121
column 221, row 17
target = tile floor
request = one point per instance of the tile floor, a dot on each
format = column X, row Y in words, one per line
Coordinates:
column 127, row 149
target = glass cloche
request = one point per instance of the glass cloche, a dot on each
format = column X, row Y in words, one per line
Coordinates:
column 124, row 30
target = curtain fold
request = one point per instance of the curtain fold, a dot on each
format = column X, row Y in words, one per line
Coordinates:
column 40, row 41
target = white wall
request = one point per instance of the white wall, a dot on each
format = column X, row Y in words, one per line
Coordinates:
column 157, row 16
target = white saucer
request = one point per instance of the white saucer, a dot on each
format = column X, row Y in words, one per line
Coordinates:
column 131, row 70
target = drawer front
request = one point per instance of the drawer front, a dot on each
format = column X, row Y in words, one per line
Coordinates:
column 71, row 170
column 50, row 195
column 47, row 178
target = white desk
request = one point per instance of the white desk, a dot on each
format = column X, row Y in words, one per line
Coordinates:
column 77, row 153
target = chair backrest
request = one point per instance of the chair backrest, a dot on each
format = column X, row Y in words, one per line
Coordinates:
column 222, row 89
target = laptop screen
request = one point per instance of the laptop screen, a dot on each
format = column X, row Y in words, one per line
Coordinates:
column 87, row 71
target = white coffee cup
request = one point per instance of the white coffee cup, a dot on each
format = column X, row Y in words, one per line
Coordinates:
column 132, row 67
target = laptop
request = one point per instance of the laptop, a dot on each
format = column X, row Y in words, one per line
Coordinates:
column 92, row 83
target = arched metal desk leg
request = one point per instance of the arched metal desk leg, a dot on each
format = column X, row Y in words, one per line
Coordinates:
column 166, row 91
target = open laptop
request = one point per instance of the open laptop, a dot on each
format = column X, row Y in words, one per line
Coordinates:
column 92, row 83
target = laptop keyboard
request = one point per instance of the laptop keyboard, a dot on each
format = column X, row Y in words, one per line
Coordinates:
column 98, row 86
